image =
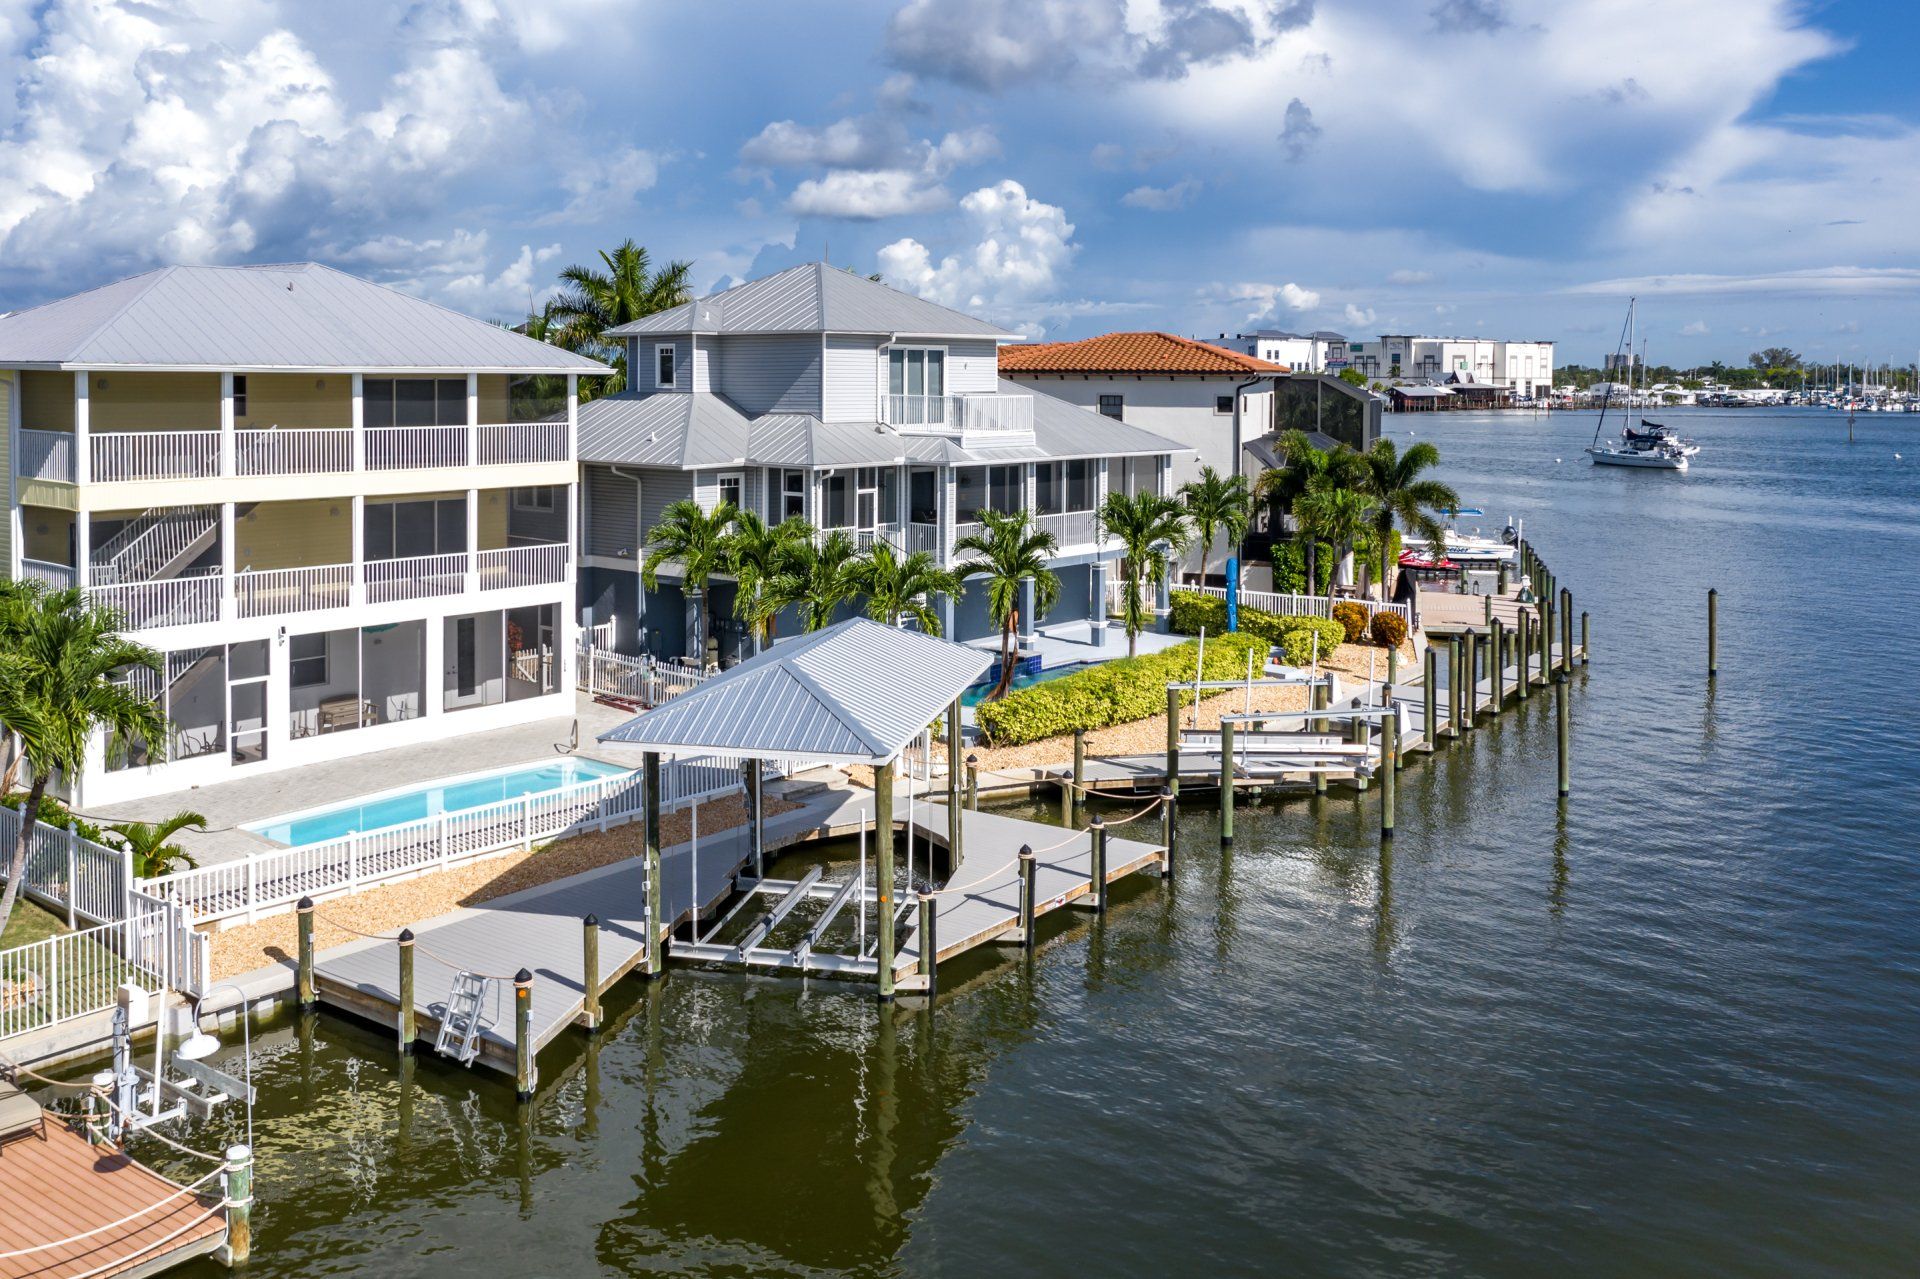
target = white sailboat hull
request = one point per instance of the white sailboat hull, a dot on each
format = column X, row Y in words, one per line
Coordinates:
column 1633, row 457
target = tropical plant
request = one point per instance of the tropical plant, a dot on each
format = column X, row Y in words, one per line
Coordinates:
column 757, row 554
column 59, row 686
column 1217, row 503
column 1389, row 630
column 817, row 578
column 901, row 588
column 1116, row 692
column 1151, row 529
column 1012, row 548
column 1352, row 616
column 148, row 842
column 697, row 541
column 1334, row 514
column 1400, row 491
column 1307, row 468
column 19, row 604
column 595, row 300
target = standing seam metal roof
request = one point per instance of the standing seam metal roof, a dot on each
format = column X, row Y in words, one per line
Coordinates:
column 857, row 692
column 812, row 298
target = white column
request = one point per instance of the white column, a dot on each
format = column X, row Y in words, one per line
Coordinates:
column 573, row 416
column 473, row 541
column 359, row 430
column 568, row 621
column 357, row 584
column 227, row 609
column 83, row 549
column 473, row 419
column 226, row 424
column 82, row 417
column 434, row 695
column 903, row 494
column 279, row 707
column 1102, row 485
column 17, row 529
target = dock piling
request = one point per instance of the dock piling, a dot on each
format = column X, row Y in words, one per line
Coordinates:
column 650, row 822
column 1321, row 696
column 1523, row 646
column 1430, row 690
column 1167, row 828
column 1713, row 631
column 1226, row 783
column 1586, row 640
column 1074, row 799
column 929, row 943
column 883, row 873
column 239, row 1205
column 98, row 1113
column 304, row 980
column 953, row 785
column 1027, row 866
column 404, row 1012
column 590, row 971
column 973, row 783
column 523, row 1067
column 1560, row 724
column 1566, row 633
column 1097, row 829
column 1173, row 739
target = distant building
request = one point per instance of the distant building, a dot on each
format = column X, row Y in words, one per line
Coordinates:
column 1619, row 360
column 1523, row 368
column 1321, row 351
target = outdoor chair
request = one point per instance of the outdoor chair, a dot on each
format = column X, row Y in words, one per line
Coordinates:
column 19, row 1114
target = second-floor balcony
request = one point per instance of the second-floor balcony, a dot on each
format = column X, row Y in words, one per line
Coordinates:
column 986, row 418
column 121, row 456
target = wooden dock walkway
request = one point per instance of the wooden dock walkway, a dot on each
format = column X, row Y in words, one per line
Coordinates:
column 135, row 1221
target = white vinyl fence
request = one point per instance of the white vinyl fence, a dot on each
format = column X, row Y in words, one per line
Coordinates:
column 1299, row 605
column 270, row 882
column 646, row 680
column 71, row 875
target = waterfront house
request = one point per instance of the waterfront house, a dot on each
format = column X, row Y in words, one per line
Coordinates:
column 343, row 514
column 818, row 393
column 1321, row 351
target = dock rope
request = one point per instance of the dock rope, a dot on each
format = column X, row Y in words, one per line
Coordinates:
column 417, row 945
column 144, row 1249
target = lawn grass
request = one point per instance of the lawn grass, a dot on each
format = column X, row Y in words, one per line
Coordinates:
column 31, row 922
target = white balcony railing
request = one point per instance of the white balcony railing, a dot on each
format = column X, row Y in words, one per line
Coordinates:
column 57, row 576
column 174, row 601
column 303, row 451
column 153, row 455
column 46, row 455
column 925, row 537
column 416, row 577
column 264, row 592
column 403, row 448
column 522, row 566
column 1070, row 528
column 991, row 415
column 522, row 442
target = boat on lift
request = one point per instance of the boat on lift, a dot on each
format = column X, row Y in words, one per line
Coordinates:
column 1468, row 549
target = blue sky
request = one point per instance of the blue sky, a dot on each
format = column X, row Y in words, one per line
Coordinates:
column 1501, row 167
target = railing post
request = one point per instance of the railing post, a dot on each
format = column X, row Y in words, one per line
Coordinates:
column 526, row 822
column 1027, row 871
column 353, row 865
column 1074, row 799
column 524, row 1072
column 590, row 971
column 404, row 1012
column 1097, row 833
column 304, row 980
column 73, row 891
column 253, row 889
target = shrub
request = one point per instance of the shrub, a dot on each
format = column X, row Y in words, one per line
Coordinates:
column 1116, row 692
column 54, row 813
column 1353, row 618
column 1389, row 630
column 1292, row 635
column 1297, row 646
column 1290, row 568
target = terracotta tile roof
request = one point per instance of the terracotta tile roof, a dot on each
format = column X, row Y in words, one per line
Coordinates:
column 1130, row 353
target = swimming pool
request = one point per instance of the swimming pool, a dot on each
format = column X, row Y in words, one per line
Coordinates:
column 978, row 693
column 453, row 795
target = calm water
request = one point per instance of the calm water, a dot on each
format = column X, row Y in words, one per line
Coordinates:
column 1673, row 1032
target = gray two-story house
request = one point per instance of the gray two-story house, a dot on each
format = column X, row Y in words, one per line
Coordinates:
column 819, row 393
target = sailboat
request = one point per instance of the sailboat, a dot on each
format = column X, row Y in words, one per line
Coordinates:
column 1655, row 447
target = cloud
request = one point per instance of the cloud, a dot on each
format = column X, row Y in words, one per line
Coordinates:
column 1020, row 248
column 1263, row 301
column 1359, row 316
column 1697, row 328
column 1408, row 276
column 455, row 270
column 1168, row 199
column 1298, row 132
column 1837, row 281
column 863, row 195
column 605, row 189
column 857, row 142
column 1469, row 15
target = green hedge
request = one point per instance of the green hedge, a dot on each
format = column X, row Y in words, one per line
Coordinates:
column 1293, row 635
column 1116, row 692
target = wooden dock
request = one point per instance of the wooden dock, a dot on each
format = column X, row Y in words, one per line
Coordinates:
column 135, row 1221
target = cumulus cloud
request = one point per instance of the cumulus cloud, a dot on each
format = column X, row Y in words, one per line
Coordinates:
column 865, row 195
column 1359, row 316
column 874, row 167
column 857, row 142
column 456, row 269
column 1409, row 276
column 1167, row 199
column 1263, row 301
column 1298, row 132
column 1697, row 328
column 1020, row 248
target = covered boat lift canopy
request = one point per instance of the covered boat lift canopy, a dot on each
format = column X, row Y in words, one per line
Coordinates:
column 855, row 693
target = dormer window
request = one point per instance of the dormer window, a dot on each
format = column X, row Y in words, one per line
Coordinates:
column 663, row 366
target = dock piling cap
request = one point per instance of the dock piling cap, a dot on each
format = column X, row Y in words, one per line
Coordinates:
column 1026, row 852
column 523, row 978
column 591, row 921
column 305, row 903
column 406, row 937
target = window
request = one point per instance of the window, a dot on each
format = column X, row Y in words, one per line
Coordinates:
column 917, row 371
column 239, row 395
column 1080, row 484
column 663, row 366
column 1223, row 405
column 533, row 499
column 923, row 496
column 793, row 494
column 839, row 511
column 1004, row 485
column 413, row 401
column 1047, row 488
column 1112, row 405
column 733, row 489
column 307, row 660
column 399, row 530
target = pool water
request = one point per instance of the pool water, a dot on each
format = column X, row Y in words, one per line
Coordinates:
column 978, row 693
column 454, row 795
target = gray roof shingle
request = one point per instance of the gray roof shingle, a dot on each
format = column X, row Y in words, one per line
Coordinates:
column 299, row 316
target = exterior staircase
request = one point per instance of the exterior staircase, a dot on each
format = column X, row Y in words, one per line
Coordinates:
column 158, row 544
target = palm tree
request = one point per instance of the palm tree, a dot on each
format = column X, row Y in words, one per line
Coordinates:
column 1307, row 468
column 19, row 604
column 696, row 540
column 818, row 578
column 153, row 856
column 899, row 589
column 1336, row 514
column 1012, row 548
column 757, row 553
column 1152, row 529
column 1217, row 503
column 1393, row 480
column 58, row 689
column 596, row 300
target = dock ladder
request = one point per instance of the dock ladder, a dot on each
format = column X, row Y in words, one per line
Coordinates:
column 459, row 1036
